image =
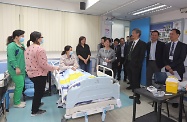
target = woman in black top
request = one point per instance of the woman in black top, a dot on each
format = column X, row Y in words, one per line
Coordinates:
column 83, row 53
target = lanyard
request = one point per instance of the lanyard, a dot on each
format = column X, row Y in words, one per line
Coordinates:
column 106, row 53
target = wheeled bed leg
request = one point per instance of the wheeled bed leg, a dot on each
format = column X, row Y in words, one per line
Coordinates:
column 103, row 115
column 63, row 119
column 86, row 117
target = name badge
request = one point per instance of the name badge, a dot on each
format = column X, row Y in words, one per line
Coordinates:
column 104, row 63
column 171, row 58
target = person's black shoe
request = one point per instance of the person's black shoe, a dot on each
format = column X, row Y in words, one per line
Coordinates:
column 131, row 97
column 42, row 103
column 138, row 101
column 175, row 105
column 129, row 88
column 118, row 79
column 125, row 80
column 38, row 113
column 128, row 82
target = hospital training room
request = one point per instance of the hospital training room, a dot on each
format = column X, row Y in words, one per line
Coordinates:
column 93, row 61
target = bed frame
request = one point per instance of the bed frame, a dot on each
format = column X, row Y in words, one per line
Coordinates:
column 103, row 91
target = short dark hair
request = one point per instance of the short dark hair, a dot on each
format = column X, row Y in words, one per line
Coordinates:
column 14, row 34
column 155, row 31
column 103, row 38
column 116, row 40
column 127, row 36
column 66, row 48
column 177, row 31
column 107, row 39
column 34, row 36
column 137, row 30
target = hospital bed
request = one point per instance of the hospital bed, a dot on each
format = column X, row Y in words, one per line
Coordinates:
column 89, row 96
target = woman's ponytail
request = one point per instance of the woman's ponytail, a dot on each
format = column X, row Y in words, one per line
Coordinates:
column 63, row 52
column 66, row 48
column 28, row 43
column 9, row 40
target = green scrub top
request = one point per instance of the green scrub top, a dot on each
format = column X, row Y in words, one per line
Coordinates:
column 15, row 58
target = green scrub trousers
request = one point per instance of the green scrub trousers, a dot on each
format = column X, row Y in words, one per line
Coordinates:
column 19, row 85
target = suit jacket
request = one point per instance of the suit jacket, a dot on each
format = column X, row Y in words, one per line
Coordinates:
column 99, row 46
column 125, row 52
column 112, row 46
column 117, row 52
column 178, row 57
column 137, row 55
column 158, row 53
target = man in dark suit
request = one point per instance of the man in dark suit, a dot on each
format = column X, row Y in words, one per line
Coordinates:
column 136, row 55
column 123, row 55
column 101, row 45
column 175, row 54
column 115, row 64
column 155, row 62
column 127, row 40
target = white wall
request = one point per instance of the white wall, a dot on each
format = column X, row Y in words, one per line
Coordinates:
column 58, row 28
column 168, row 16
column 120, row 29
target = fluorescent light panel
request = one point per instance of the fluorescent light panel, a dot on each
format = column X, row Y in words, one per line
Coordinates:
column 125, row 4
column 150, row 9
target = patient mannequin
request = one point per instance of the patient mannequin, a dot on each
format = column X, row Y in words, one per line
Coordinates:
column 68, row 60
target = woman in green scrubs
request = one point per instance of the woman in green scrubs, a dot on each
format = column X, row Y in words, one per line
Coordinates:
column 16, row 64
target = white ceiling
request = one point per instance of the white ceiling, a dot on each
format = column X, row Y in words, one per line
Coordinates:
column 103, row 7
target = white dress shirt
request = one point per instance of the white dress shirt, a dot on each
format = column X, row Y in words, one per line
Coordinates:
column 135, row 42
column 152, row 51
column 122, row 50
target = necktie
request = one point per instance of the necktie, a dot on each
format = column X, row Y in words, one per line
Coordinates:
column 132, row 46
column 171, row 53
column 130, row 52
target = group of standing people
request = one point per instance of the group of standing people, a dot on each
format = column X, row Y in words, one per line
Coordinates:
column 32, row 61
column 129, row 55
column 119, row 50
column 132, row 53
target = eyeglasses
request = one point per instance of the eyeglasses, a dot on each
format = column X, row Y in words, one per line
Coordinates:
column 41, row 37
